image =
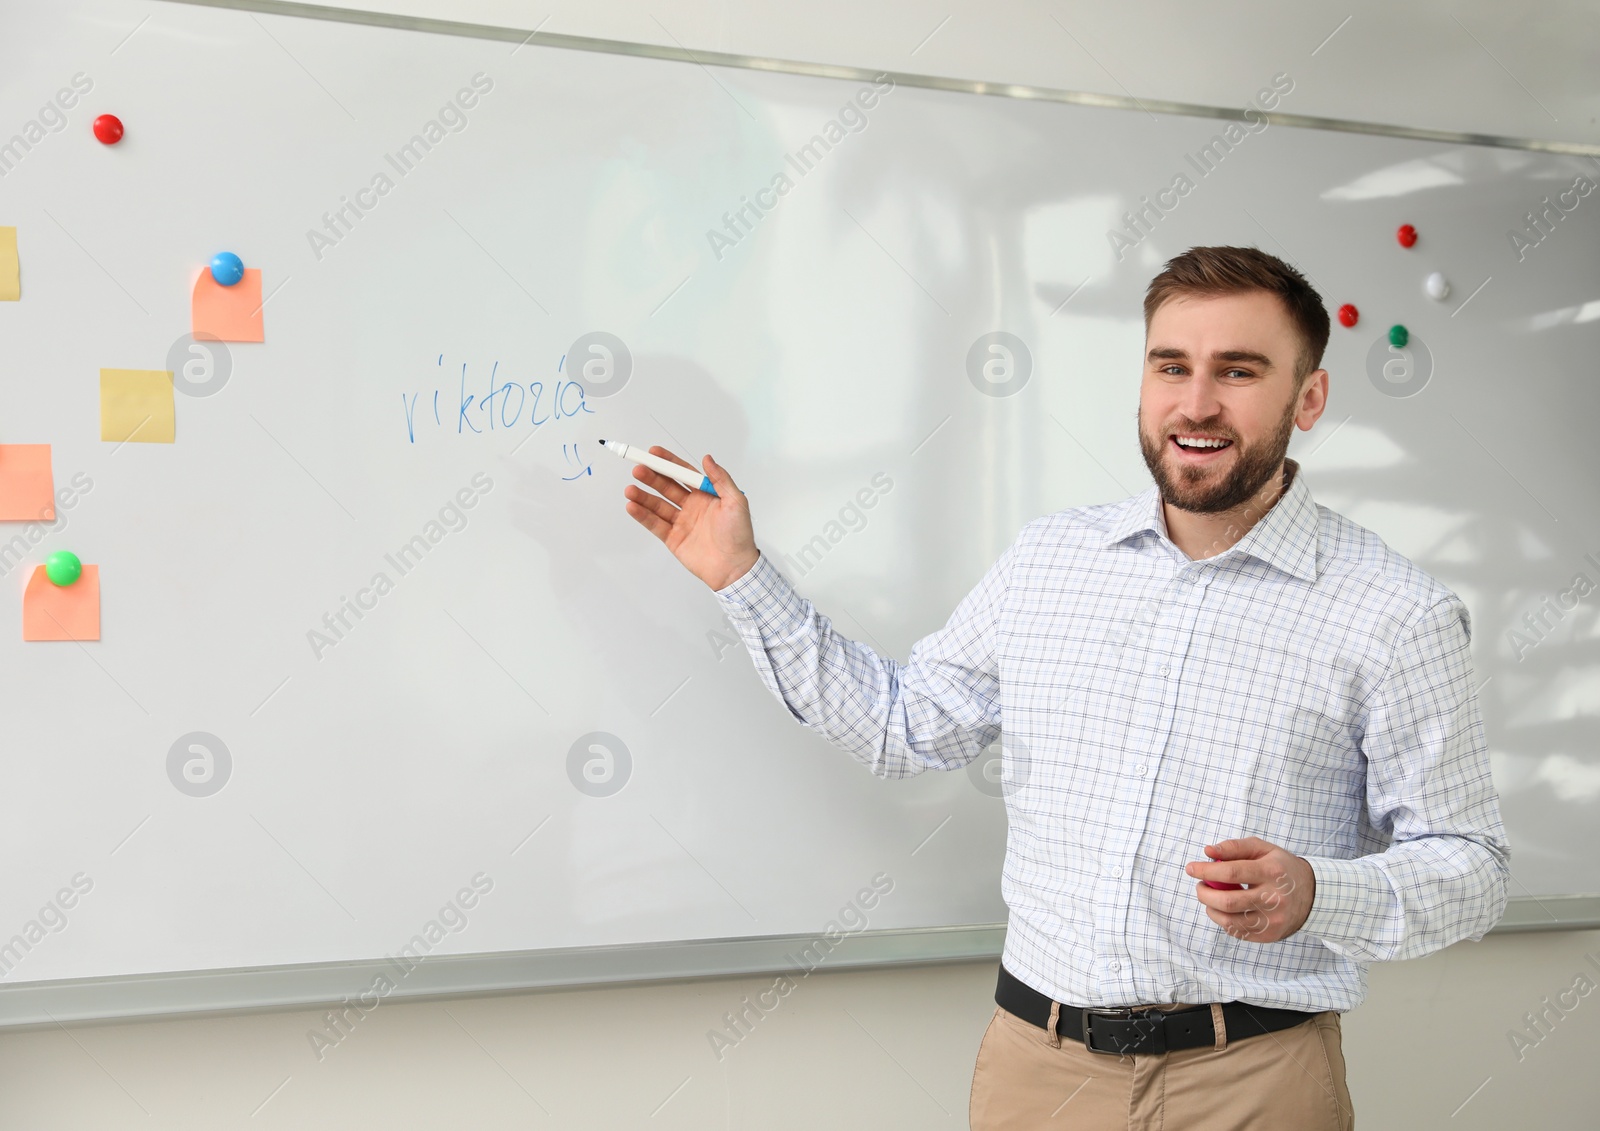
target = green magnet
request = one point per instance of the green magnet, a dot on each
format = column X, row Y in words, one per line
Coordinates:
column 63, row 567
column 1399, row 336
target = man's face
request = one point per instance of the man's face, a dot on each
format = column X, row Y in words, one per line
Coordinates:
column 1222, row 367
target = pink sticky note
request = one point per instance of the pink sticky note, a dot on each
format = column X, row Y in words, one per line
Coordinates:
column 62, row 612
column 229, row 314
column 27, row 492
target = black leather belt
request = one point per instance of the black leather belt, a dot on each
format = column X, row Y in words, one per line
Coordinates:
column 1146, row 1030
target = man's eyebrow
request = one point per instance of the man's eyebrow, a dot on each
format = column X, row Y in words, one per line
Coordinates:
column 1260, row 359
column 1173, row 353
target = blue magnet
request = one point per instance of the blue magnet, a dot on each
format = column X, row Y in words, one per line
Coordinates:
column 227, row 268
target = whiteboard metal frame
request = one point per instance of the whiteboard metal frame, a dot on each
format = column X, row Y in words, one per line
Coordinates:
column 39, row 1004
column 1024, row 91
column 33, row 1005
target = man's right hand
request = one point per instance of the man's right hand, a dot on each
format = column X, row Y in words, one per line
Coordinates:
column 710, row 534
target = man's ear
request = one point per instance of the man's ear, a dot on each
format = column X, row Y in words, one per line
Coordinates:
column 1313, row 399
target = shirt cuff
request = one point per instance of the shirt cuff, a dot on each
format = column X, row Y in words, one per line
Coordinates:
column 1346, row 903
column 757, row 579
column 763, row 597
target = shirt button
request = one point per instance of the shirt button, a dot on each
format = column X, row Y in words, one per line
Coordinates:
column 1117, row 872
column 1114, row 965
column 1165, row 669
column 1141, row 770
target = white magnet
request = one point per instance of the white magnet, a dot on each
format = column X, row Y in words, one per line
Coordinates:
column 1436, row 286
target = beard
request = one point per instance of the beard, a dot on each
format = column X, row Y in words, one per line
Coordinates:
column 1200, row 489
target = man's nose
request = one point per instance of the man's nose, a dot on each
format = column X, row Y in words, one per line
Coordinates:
column 1199, row 401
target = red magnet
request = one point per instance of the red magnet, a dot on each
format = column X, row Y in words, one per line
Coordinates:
column 1348, row 315
column 1407, row 235
column 108, row 128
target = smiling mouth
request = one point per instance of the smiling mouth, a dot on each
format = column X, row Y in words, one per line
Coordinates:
column 1202, row 450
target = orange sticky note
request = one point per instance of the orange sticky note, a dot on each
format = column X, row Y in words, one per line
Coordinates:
column 229, row 314
column 27, row 492
column 10, row 272
column 62, row 612
column 136, row 404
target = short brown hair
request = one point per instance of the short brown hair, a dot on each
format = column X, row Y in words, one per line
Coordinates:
column 1232, row 270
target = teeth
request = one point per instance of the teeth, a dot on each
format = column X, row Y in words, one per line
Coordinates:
column 1184, row 443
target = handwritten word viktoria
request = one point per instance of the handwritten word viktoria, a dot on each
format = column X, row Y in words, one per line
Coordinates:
column 497, row 404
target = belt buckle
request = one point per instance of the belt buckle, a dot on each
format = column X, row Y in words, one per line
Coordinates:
column 1121, row 1013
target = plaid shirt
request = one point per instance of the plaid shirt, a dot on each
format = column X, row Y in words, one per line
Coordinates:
column 1309, row 686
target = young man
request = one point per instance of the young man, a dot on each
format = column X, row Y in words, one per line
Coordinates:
column 1218, row 663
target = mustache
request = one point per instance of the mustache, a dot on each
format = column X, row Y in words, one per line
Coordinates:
column 1208, row 426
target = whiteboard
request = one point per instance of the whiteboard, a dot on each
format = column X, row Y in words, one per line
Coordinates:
column 450, row 746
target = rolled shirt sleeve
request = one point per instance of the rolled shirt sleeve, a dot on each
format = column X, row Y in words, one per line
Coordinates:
column 1445, row 874
column 937, row 711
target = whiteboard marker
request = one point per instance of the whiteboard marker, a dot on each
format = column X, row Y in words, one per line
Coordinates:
column 685, row 475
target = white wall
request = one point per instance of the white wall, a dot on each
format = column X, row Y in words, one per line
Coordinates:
column 1470, row 65
column 888, row 1049
column 894, row 1048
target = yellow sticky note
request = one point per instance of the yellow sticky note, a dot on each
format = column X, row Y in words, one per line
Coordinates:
column 62, row 612
column 229, row 314
column 10, row 271
column 136, row 404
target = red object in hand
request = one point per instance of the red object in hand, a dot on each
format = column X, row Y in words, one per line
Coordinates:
column 1407, row 235
column 1223, row 887
column 1348, row 315
column 108, row 128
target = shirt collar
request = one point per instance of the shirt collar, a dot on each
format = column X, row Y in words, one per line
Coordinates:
column 1285, row 537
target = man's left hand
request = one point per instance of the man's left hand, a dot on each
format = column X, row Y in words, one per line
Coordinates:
column 1278, row 895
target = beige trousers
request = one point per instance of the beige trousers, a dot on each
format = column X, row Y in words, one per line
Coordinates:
column 1291, row 1080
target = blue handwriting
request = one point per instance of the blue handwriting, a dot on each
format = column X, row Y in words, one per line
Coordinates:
column 479, row 412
